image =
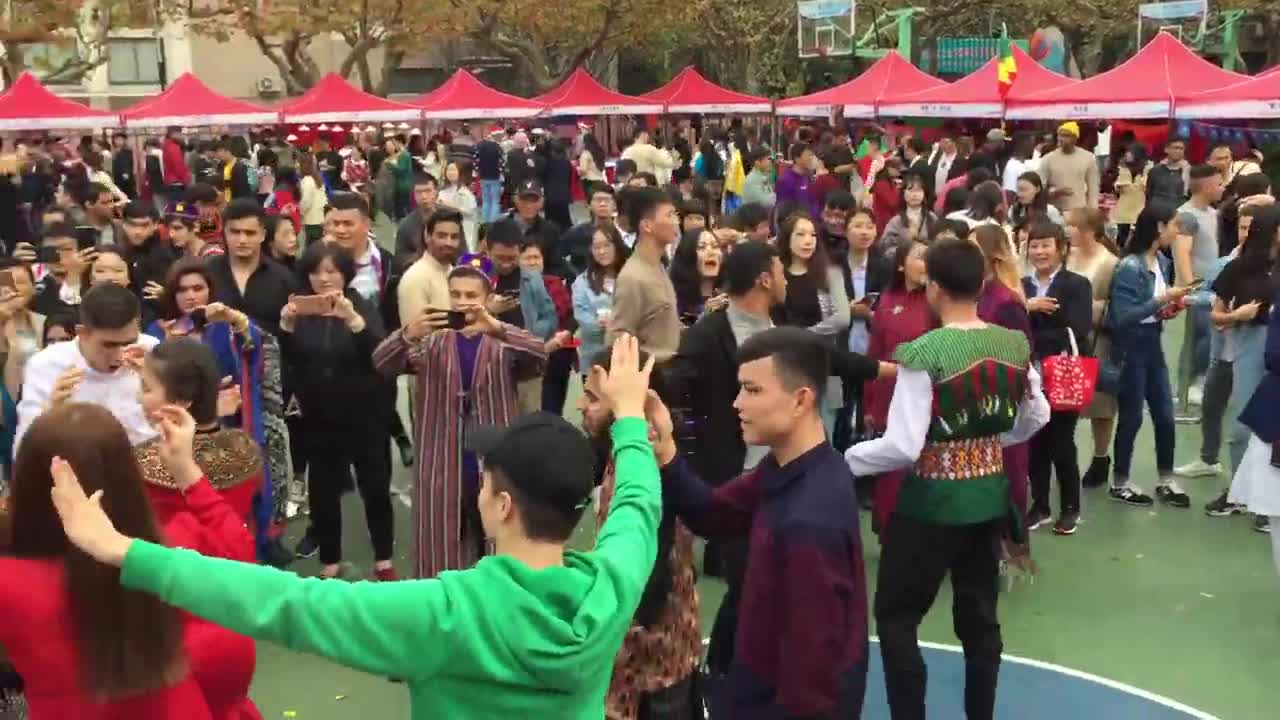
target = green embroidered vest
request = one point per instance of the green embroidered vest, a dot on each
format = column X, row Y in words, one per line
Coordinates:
column 979, row 379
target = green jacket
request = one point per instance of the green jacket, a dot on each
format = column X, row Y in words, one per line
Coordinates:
column 402, row 170
column 497, row 641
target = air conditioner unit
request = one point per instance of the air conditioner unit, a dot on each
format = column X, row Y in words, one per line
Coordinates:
column 267, row 87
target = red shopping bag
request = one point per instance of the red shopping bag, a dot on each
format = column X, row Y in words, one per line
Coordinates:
column 1069, row 380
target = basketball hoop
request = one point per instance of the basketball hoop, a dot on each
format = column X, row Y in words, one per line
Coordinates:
column 820, row 52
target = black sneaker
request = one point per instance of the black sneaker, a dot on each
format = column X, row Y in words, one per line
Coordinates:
column 1130, row 494
column 1037, row 517
column 1066, row 524
column 1096, row 475
column 307, row 547
column 275, row 554
column 1262, row 524
column 1222, row 508
column 1171, row 494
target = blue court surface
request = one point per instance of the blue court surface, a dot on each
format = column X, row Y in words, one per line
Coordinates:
column 1028, row 689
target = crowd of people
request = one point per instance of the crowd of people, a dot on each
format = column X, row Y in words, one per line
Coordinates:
column 206, row 341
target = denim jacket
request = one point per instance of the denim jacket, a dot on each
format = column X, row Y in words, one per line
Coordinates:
column 536, row 305
column 587, row 304
column 1132, row 293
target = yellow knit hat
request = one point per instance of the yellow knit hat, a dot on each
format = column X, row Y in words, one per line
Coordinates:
column 1071, row 127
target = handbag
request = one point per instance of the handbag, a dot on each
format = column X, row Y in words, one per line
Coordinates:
column 1069, row 380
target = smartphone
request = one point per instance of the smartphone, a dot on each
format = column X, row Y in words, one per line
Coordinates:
column 457, row 319
column 199, row 319
column 1195, row 285
column 312, row 304
column 87, row 236
column 513, row 294
column 573, row 342
column 48, row 254
column 870, row 298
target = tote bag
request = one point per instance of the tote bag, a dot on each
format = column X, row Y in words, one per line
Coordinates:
column 1069, row 380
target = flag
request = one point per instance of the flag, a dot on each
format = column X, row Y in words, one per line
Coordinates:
column 1007, row 69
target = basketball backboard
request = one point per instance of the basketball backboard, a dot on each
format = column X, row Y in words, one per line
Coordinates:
column 1183, row 19
column 825, row 27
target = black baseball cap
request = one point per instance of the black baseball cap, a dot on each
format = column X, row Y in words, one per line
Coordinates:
column 529, row 187
column 543, row 456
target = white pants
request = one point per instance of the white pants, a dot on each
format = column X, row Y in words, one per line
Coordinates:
column 1275, row 540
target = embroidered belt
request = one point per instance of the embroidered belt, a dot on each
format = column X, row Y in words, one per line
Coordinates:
column 961, row 459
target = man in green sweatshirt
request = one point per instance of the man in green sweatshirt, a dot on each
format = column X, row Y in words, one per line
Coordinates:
column 530, row 632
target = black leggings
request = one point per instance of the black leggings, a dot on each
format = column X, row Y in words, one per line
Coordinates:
column 332, row 449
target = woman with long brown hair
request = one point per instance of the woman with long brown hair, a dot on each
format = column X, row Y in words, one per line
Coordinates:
column 1003, row 303
column 85, row 646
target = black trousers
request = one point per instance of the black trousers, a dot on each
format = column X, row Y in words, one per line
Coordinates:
column 1054, row 448
column 559, row 214
column 555, row 379
column 914, row 559
column 333, row 449
column 681, row 701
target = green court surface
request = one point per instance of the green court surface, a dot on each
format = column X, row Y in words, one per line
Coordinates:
column 1167, row 601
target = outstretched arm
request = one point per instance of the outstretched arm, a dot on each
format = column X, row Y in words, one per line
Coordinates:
column 384, row 628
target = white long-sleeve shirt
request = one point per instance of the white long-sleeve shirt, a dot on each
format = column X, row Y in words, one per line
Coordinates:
column 118, row 392
column 911, row 412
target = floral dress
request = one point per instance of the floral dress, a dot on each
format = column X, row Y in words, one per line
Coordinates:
column 668, row 651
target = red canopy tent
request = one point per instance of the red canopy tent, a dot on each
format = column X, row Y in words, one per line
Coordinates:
column 976, row 95
column 1257, row 97
column 463, row 97
column 689, row 92
column 581, row 94
column 860, row 96
column 188, row 101
column 1147, row 85
column 29, row 105
column 333, row 99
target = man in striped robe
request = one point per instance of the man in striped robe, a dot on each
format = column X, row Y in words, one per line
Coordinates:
column 465, row 378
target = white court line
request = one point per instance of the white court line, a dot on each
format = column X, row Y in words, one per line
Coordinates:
column 1071, row 672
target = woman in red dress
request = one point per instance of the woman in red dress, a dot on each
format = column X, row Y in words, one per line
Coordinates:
column 85, row 647
column 902, row 314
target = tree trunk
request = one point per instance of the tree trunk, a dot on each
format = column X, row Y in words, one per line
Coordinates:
column 390, row 63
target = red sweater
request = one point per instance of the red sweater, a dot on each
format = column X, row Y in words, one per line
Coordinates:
column 174, row 166
column 38, row 634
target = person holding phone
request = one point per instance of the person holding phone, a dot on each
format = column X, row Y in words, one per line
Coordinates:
column 1140, row 290
column 328, row 338
column 466, row 378
column 57, row 264
column 187, row 309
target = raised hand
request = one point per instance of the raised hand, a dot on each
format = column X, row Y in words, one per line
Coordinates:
column 625, row 385
column 133, row 357
column 83, row 520
column 228, row 398
column 661, row 428
column 176, row 449
column 64, row 387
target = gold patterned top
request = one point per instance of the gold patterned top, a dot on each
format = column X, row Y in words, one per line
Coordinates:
column 227, row 457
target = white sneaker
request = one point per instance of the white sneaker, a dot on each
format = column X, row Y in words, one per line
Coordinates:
column 1198, row 469
column 1195, row 395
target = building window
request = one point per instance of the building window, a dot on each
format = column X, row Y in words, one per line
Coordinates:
column 133, row 61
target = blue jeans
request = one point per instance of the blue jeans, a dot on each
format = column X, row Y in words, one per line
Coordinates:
column 1144, row 376
column 1247, row 371
column 1193, row 358
column 490, row 200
